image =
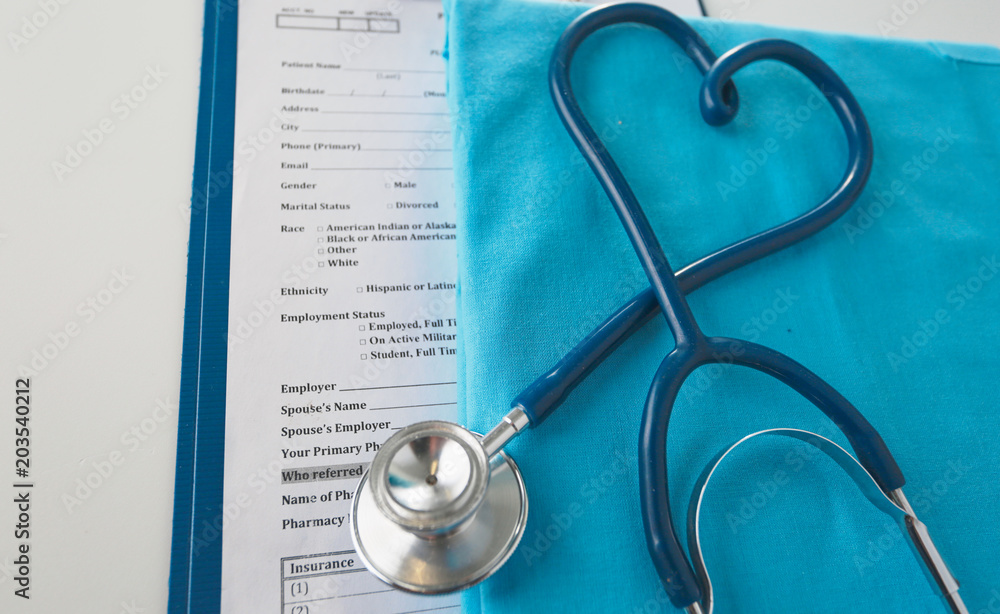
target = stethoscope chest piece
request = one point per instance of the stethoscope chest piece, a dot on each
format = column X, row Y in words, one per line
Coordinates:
column 435, row 513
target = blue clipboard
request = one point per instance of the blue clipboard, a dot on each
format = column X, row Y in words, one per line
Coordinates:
column 196, row 548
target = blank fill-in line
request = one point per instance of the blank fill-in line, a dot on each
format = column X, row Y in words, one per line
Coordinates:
column 429, row 72
column 388, row 590
column 397, row 386
column 382, row 113
column 386, row 168
column 412, row 406
column 405, row 149
column 380, row 131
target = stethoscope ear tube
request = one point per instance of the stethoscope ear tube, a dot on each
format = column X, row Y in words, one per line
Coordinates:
column 664, row 547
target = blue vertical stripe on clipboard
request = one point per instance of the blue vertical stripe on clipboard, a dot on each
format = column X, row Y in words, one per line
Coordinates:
column 196, row 550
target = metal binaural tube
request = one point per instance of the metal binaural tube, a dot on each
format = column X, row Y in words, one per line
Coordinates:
column 694, row 608
column 508, row 428
column 933, row 563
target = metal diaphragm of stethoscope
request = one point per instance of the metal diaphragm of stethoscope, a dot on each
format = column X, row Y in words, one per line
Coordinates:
column 442, row 508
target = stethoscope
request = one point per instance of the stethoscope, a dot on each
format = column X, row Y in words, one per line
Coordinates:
column 442, row 508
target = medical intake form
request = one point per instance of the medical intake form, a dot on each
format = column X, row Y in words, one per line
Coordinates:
column 342, row 296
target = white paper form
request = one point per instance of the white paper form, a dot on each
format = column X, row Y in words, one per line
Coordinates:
column 342, row 297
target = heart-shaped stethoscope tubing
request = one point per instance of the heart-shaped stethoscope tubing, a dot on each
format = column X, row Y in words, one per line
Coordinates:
column 692, row 348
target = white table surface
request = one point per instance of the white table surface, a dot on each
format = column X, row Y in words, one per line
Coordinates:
column 108, row 398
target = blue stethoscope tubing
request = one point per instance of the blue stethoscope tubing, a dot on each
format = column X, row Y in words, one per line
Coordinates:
column 719, row 104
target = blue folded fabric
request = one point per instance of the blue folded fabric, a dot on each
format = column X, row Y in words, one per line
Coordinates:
column 896, row 305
